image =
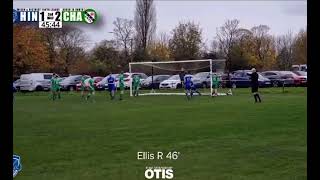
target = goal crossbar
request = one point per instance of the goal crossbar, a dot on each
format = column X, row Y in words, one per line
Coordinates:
column 184, row 61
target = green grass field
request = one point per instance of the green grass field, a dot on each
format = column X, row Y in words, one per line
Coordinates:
column 223, row 138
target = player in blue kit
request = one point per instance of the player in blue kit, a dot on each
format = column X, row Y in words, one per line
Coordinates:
column 194, row 89
column 188, row 85
column 111, row 85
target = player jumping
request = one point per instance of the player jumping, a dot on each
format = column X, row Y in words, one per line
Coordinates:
column 111, row 86
column 136, row 85
column 121, row 84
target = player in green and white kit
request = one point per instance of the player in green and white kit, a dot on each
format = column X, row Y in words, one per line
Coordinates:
column 90, row 87
column 136, row 85
column 53, row 82
column 83, row 86
column 52, row 88
column 215, row 84
column 121, row 85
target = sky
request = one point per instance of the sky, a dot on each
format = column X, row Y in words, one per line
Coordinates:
column 280, row 16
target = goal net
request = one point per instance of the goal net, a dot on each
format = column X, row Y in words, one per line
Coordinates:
column 166, row 77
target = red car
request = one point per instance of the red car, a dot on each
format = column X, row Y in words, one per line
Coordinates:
column 302, row 75
column 297, row 79
column 96, row 80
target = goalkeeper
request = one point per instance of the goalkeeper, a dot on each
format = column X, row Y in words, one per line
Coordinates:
column 136, row 85
column 121, row 84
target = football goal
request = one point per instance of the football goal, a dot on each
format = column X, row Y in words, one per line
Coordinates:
column 166, row 77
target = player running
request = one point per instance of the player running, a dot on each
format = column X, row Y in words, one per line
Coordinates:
column 136, row 85
column 121, row 84
column 90, row 87
column 111, row 86
column 187, row 85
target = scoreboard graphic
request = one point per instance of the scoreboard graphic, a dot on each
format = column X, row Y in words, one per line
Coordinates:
column 54, row 17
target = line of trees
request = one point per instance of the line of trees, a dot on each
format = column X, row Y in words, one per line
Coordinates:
column 63, row 50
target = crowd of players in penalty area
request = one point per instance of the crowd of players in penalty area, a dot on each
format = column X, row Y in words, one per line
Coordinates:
column 88, row 90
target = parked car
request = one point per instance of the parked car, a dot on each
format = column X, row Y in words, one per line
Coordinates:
column 157, row 79
column 202, row 80
column 102, row 85
column 241, row 78
column 225, row 79
column 173, row 82
column 70, row 83
column 303, row 74
column 16, row 84
column 35, row 81
column 95, row 79
column 277, row 79
column 128, row 78
column 61, row 78
column 297, row 80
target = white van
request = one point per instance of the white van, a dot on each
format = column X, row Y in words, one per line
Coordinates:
column 35, row 81
column 300, row 67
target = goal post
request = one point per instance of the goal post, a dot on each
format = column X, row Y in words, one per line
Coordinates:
column 166, row 77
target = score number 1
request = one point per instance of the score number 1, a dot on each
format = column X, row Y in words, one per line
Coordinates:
column 50, row 19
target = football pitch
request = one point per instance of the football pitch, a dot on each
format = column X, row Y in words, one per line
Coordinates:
column 221, row 138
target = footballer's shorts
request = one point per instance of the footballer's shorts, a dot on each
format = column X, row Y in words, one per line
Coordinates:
column 254, row 88
column 135, row 88
column 121, row 87
column 188, row 87
column 111, row 87
column 91, row 89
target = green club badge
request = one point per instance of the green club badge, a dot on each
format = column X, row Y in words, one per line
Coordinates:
column 89, row 16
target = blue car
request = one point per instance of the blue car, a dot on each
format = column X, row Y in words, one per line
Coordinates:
column 241, row 78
